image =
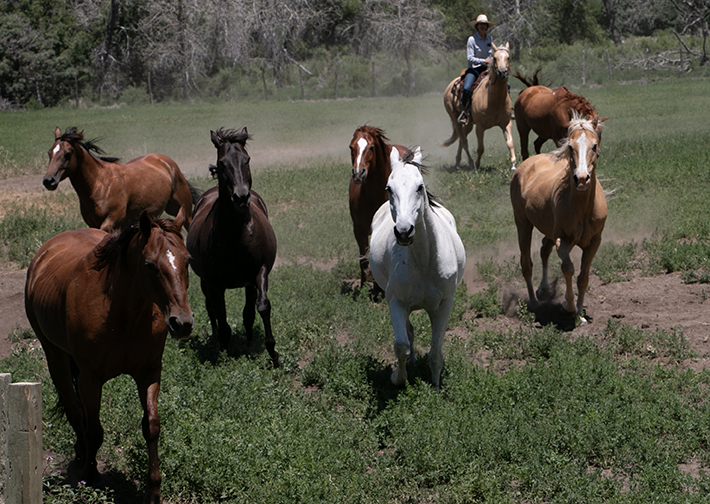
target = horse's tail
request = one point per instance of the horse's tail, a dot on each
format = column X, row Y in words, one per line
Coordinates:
column 451, row 140
column 57, row 412
column 529, row 81
column 195, row 193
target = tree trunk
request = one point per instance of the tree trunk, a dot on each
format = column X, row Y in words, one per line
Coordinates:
column 101, row 60
column 150, row 86
column 609, row 7
column 229, row 84
column 372, row 76
column 410, row 69
column 263, row 80
column 76, row 89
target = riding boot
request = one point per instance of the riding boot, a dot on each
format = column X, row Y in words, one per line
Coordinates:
column 465, row 105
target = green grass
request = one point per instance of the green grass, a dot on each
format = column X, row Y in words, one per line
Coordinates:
column 547, row 420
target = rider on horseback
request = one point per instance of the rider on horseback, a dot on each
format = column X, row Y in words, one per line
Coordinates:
column 478, row 53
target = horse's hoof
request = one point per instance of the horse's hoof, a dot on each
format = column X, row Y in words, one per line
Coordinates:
column 396, row 381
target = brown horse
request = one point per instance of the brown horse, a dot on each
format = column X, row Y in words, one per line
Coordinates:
column 112, row 196
column 102, row 304
column 547, row 113
column 559, row 194
column 490, row 106
column 231, row 241
column 370, row 156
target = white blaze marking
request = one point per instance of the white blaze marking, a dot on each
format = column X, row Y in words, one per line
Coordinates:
column 171, row 258
column 362, row 144
column 582, row 145
column 56, row 149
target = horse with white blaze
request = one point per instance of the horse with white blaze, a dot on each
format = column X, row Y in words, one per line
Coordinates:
column 417, row 256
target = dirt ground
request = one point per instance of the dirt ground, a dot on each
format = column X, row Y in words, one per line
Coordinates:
column 662, row 302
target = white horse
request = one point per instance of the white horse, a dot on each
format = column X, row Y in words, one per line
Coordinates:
column 417, row 256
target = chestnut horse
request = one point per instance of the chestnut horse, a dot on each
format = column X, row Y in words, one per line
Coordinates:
column 547, row 113
column 370, row 156
column 112, row 196
column 490, row 106
column 559, row 194
column 231, row 241
column 102, row 305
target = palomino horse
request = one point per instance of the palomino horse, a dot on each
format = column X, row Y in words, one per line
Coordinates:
column 102, row 305
column 559, row 194
column 418, row 257
column 370, row 156
column 490, row 106
column 547, row 113
column 112, row 196
column 231, row 241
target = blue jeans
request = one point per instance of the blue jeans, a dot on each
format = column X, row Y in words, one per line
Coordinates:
column 471, row 75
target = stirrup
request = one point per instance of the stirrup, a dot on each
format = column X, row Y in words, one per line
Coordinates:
column 463, row 118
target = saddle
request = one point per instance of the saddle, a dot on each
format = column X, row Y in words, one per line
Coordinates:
column 457, row 88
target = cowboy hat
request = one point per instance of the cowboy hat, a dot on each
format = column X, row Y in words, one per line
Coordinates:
column 481, row 19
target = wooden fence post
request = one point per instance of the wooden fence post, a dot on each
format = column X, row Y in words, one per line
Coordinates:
column 5, row 380
column 21, row 445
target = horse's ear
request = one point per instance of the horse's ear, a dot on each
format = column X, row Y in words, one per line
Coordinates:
column 215, row 139
column 180, row 217
column 417, row 158
column 244, row 131
column 146, row 223
column 57, row 132
column 507, row 46
column 394, row 156
column 494, row 47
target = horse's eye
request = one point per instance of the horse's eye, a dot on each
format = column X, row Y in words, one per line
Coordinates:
column 67, row 156
column 420, row 188
column 151, row 267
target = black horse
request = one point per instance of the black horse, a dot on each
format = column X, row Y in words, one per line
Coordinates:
column 231, row 241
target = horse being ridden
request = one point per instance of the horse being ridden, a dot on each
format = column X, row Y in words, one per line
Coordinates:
column 231, row 241
column 490, row 106
column 548, row 112
column 370, row 156
column 418, row 257
column 102, row 304
column 559, row 194
column 112, row 196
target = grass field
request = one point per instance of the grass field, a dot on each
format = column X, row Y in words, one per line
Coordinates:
column 589, row 420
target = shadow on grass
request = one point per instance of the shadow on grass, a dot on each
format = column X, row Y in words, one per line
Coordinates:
column 548, row 311
column 66, row 483
column 379, row 378
column 209, row 350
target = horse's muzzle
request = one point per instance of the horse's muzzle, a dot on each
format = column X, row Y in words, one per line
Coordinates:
column 181, row 327
column 241, row 202
column 582, row 183
column 359, row 176
column 404, row 238
column 50, row 183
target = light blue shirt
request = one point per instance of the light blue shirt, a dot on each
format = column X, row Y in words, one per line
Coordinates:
column 478, row 49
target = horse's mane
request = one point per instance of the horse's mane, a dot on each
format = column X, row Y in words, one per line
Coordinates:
column 114, row 246
column 373, row 131
column 577, row 102
column 233, row 136
column 577, row 122
column 73, row 136
column 408, row 158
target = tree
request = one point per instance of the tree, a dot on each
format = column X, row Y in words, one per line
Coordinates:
column 406, row 28
column 694, row 18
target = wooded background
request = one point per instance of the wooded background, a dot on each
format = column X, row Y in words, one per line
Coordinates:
column 53, row 51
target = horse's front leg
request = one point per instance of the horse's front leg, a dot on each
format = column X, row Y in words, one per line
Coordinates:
column 583, row 279
column 361, row 234
column 217, row 311
column 90, row 393
column 563, row 250
column 508, row 135
column 263, row 306
column 439, row 321
column 148, row 390
column 403, row 340
column 545, row 250
column 538, row 143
